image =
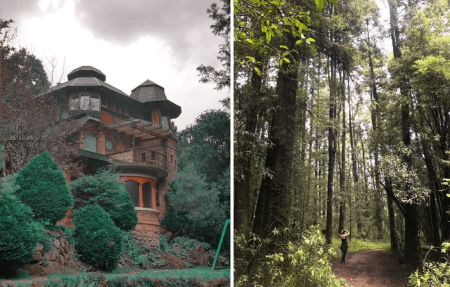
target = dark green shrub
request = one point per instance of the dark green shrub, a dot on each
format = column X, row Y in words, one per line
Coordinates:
column 43, row 188
column 97, row 241
column 194, row 207
column 19, row 234
column 105, row 190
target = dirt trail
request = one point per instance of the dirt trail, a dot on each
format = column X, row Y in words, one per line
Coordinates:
column 372, row 268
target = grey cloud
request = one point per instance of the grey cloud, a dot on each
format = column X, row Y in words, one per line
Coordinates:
column 173, row 21
column 16, row 10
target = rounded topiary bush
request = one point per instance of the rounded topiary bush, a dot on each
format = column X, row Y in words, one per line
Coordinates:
column 104, row 189
column 19, row 233
column 97, row 241
column 42, row 187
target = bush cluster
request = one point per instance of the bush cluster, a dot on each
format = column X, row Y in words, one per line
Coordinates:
column 104, row 189
column 97, row 240
column 19, row 234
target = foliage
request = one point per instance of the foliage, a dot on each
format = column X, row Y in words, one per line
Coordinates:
column 8, row 183
column 433, row 273
column 186, row 243
column 305, row 263
column 97, row 241
column 221, row 27
column 206, row 144
column 139, row 253
column 104, row 189
column 37, row 80
column 42, row 187
column 19, row 233
column 262, row 25
column 194, row 207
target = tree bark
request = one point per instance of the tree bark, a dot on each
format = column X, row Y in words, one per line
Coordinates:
column 274, row 201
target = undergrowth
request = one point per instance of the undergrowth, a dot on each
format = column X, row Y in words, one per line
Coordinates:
column 301, row 263
column 433, row 273
column 139, row 253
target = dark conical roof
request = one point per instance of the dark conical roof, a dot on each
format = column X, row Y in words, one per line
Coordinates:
column 148, row 91
column 86, row 71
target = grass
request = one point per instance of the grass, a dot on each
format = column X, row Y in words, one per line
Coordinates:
column 200, row 272
column 357, row 245
column 203, row 273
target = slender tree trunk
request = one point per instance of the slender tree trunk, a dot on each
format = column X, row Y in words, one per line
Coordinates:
column 242, row 187
column 342, row 176
column 331, row 150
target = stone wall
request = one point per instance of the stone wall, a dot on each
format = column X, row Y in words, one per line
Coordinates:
column 56, row 259
column 147, row 229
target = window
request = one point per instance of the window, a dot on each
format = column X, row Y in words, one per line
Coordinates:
column 147, row 195
column 171, row 158
column 143, row 156
column 90, row 143
column 132, row 188
column 84, row 101
column 165, row 123
column 63, row 112
column 153, row 155
column 108, row 144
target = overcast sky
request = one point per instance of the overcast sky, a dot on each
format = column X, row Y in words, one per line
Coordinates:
column 129, row 41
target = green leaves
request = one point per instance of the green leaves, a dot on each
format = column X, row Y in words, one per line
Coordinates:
column 260, row 23
column 319, row 4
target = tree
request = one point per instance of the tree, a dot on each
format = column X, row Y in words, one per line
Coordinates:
column 221, row 27
column 42, row 187
column 30, row 123
column 206, row 144
column 19, row 234
column 194, row 207
column 97, row 241
column 104, row 189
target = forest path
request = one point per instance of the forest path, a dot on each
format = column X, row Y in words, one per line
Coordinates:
column 371, row 268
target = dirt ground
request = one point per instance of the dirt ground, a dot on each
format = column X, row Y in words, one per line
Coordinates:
column 372, row 268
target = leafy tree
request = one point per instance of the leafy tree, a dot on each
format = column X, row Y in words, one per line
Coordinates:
column 104, row 189
column 194, row 208
column 97, row 240
column 19, row 234
column 23, row 62
column 42, row 187
column 206, row 144
column 221, row 27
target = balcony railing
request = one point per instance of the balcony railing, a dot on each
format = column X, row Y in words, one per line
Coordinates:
column 149, row 156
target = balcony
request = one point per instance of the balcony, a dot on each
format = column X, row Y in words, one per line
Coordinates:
column 145, row 156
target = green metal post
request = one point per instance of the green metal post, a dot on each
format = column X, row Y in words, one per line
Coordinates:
column 220, row 243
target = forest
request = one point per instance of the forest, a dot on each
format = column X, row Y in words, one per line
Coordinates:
column 342, row 121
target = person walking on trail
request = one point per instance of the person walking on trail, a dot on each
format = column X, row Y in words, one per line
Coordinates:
column 344, row 247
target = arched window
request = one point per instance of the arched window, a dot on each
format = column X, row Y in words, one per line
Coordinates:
column 133, row 190
column 147, row 194
column 90, row 143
